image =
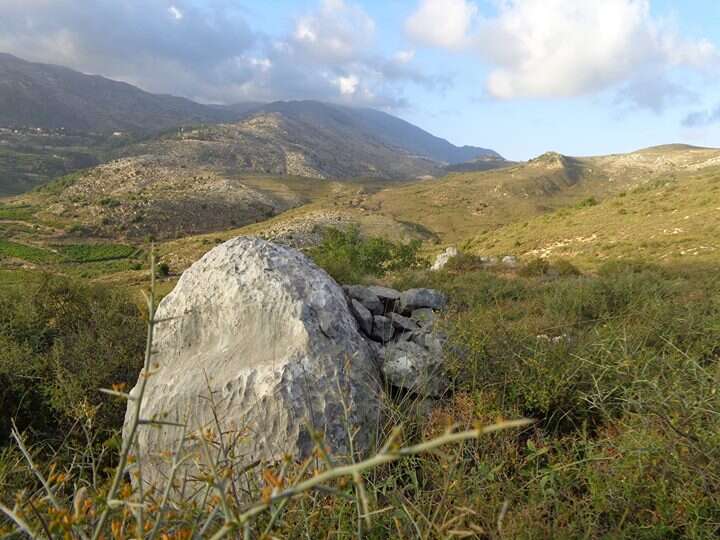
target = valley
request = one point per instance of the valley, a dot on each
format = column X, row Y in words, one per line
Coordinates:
column 551, row 375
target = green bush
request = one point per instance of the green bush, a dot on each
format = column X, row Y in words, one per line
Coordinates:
column 536, row 267
column 464, row 262
column 588, row 203
column 61, row 342
column 565, row 268
column 350, row 258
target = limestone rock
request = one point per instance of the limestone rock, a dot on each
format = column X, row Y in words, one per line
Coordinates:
column 383, row 329
column 385, row 293
column 363, row 316
column 423, row 316
column 366, row 297
column 422, row 298
column 390, row 298
column 443, row 258
column 269, row 336
column 510, row 261
column 403, row 324
column 412, row 367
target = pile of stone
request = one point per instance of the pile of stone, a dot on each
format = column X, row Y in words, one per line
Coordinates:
column 285, row 353
column 400, row 329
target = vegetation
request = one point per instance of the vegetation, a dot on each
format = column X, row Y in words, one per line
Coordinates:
column 63, row 340
column 27, row 252
column 350, row 258
column 618, row 368
column 16, row 212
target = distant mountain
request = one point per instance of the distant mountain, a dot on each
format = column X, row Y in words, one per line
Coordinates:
column 383, row 127
column 54, row 120
column 52, row 97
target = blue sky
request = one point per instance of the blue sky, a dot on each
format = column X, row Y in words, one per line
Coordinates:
column 519, row 76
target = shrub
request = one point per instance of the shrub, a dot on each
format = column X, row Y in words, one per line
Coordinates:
column 565, row 268
column 350, row 258
column 465, row 262
column 61, row 341
column 536, row 267
column 588, row 203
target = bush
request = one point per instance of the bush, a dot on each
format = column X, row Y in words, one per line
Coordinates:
column 61, row 342
column 350, row 258
column 565, row 268
column 536, row 267
column 465, row 262
column 588, row 203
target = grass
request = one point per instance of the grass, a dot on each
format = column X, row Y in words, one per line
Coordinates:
column 19, row 212
column 27, row 253
column 84, row 253
column 619, row 369
column 657, row 221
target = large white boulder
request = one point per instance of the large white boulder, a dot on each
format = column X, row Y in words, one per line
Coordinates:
column 259, row 337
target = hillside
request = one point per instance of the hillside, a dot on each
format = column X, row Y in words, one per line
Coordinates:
column 674, row 218
column 377, row 125
column 656, row 202
column 54, row 97
column 54, row 121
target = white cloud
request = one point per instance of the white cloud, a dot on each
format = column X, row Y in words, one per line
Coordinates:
column 442, row 23
column 563, row 48
column 210, row 52
column 404, row 57
column 338, row 30
column 176, row 13
column 348, row 85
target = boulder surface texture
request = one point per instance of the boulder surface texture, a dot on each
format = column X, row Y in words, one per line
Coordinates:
column 257, row 336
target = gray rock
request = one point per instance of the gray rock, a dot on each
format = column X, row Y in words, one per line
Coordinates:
column 403, row 323
column 423, row 316
column 270, row 337
column 385, row 293
column 443, row 258
column 366, row 297
column 363, row 316
column 383, row 330
column 411, row 367
column 510, row 261
column 414, row 299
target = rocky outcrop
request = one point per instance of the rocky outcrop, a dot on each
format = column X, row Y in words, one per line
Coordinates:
column 443, row 258
column 260, row 343
column 408, row 346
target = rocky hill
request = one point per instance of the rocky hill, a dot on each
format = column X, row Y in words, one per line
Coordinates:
column 377, row 125
column 54, row 120
column 50, row 96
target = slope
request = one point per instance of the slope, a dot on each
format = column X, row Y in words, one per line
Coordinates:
column 373, row 124
column 53, row 97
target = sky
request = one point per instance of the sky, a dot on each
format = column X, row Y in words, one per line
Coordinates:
column 522, row 77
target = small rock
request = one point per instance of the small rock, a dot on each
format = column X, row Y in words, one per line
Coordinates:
column 443, row 258
column 510, row 261
column 366, row 297
column 422, row 298
column 403, row 323
column 383, row 329
column 408, row 365
column 363, row 316
column 423, row 316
